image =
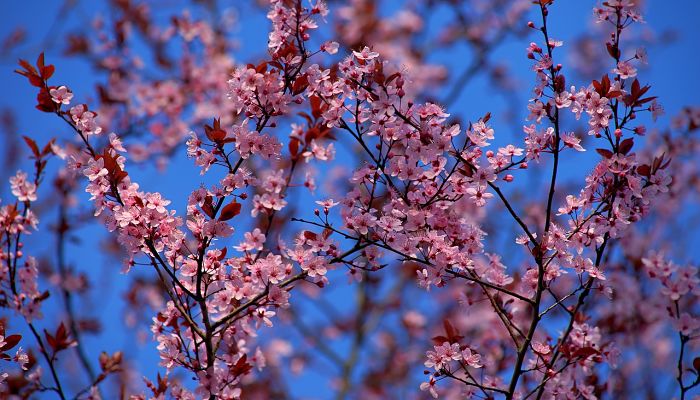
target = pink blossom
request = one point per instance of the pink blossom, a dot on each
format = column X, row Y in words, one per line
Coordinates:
column 625, row 70
column 23, row 189
column 61, row 95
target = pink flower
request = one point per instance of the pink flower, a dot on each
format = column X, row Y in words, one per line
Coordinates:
column 61, row 95
column 21, row 188
column 625, row 70
column 641, row 55
column 656, row 109
column 430, row 387
column 362, row 222
column 541, row 348
column 366, row 54
column 330, row 47
column 657, row 266
column 253, row 241
column 563, row 100
column 264, row 316
column 479, row 195
column 443, row 355
column 22, row 358
column 85, row 120
column 570, row 140
column 95, row 169
column 510, row 150
column 327, row 204
column 572, row 204
column 686, row 324
column 471, row 358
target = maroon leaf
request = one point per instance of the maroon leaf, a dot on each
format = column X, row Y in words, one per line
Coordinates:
column 208, row 207
column 605, row 153
column 644, row 170
column 310, row 235
column 10, row 342
column 215, row 133
column 626, row 146
column 230, row 211
column 585, row 352
column 32, row 145
column 242, row 367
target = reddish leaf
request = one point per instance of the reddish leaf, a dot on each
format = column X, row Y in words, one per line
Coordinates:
column 28, row 67
column 613, row 51
column 645, row 100
column 626, row 146
column 47, row 148
column 110, row 163
column 230, row 211
column 452, row 333
column 311, row 134
column 585, row 352
column 605, row 153
column 32, row 145
column 602, row 87
column 10, row 342
column 44, row 102
column 42, row 297
column 559, row 83
column 47, row 72
column 208, row 207
column 644, row 170
column 215, row 133
column 50, row 340
column 439, row 340
column 35, row 80
column 315, row 106
column 224, row 250
column 307, row 117
column 110, row 363
column 327, row 232
column 392, row 77
column 310, row 235
column 379, row 78
column 300, row 84
column 294, row 146
column 614, row 93
column 665, row 164
column 242, row 367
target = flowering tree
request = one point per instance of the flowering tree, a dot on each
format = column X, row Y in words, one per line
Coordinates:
column 559, row 289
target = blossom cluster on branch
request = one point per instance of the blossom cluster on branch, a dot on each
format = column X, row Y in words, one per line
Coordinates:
column 546, row 297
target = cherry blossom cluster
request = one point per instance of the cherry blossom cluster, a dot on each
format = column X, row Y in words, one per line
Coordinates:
column 20, row 289
column 427, row 171
column 426, row 210
column 193, row 60
column 235, row 295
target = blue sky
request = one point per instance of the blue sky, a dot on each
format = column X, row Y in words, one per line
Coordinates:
column 673, row 73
